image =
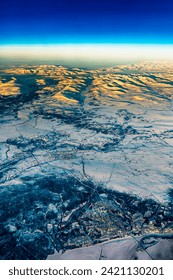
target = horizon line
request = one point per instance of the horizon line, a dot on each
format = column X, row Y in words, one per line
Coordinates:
column 86, row 53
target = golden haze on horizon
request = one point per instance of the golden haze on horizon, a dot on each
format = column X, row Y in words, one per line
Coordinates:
column 90, row 53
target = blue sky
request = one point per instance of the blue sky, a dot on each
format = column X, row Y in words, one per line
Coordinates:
column 80, row 21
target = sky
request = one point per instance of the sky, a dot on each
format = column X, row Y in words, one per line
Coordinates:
column 86, row 22
column 82, row 32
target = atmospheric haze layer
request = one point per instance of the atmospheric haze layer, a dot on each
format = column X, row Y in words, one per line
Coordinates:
column 84, row 55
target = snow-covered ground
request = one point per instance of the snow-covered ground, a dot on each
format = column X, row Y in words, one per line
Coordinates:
column 83, row 152
column 124, row 249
